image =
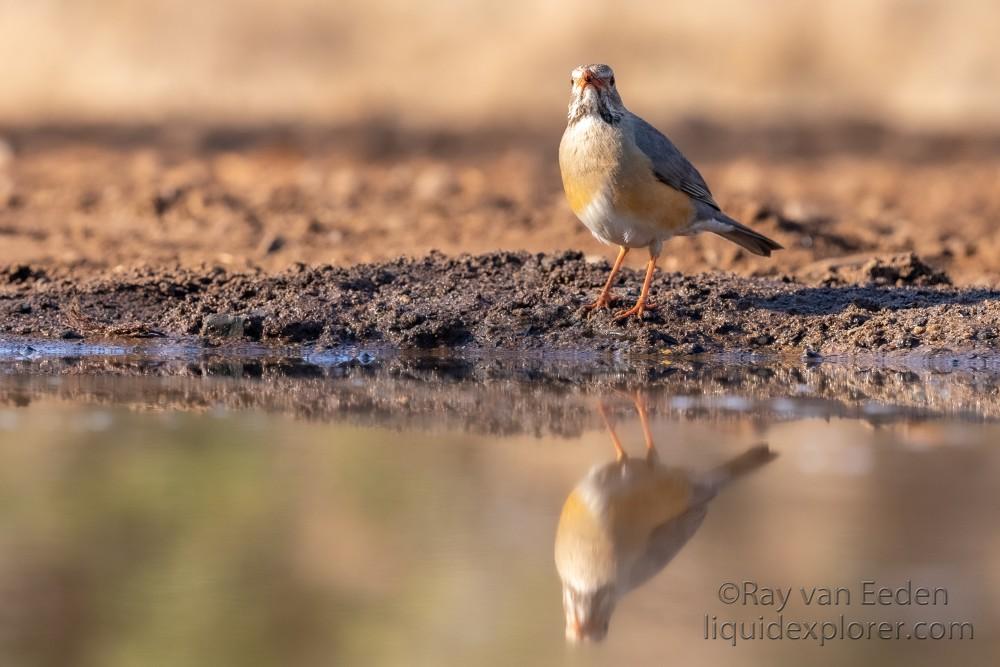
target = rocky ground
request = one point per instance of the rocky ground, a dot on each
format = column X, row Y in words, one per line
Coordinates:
column 892, row 242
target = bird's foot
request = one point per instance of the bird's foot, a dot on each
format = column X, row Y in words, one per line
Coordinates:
column 638, row 309
column 603, row 301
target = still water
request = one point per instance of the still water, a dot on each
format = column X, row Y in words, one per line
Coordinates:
column 166, row 508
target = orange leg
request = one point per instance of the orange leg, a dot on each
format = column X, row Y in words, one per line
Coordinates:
column 642, row 303
column 604, row 300
column 619, row 450
column 640, row 407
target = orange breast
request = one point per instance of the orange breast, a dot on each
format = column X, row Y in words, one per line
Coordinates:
column 640, row 195
column 594, row 159
column 584, row 549
column 581, row 189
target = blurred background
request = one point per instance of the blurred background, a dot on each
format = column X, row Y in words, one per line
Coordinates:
column 919, row 63
column 258, row 134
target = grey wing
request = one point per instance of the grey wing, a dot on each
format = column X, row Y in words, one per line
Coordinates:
column 669, row 164
column 664, row 543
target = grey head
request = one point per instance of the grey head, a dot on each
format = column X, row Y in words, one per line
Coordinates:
column 593, row 93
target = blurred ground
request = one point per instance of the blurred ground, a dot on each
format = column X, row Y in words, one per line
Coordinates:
column 251, row 134
column 836, row 195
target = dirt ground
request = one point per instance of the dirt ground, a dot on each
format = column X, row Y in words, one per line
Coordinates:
column 257, row 233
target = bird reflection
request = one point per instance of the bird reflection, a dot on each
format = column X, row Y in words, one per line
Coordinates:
column 626, row 520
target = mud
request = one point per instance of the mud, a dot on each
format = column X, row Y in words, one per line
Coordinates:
column 254, row 234
column 509, row 301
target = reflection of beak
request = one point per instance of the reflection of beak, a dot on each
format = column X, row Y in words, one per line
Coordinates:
column 574, row 632
column 580, row 632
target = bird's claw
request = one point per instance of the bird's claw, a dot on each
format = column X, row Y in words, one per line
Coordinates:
column 603, row 301
column 638, row 309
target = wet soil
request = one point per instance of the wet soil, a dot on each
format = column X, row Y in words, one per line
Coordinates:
column 510, row 301
column 255, row 234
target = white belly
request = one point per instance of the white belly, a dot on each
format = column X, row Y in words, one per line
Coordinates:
column 614, row 228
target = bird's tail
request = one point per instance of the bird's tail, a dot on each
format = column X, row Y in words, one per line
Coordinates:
column 737, row 467
column 743, row 236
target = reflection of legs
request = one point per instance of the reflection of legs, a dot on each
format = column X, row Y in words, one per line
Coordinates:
column 619, row 450
column 640, row 407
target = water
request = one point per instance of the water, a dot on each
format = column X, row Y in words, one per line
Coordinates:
column 168, row 506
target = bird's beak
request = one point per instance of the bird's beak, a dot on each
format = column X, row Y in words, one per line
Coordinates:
column 587, row 78
column 577, row 632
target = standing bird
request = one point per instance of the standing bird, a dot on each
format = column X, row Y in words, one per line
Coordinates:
column 631, row 186
column 625, row 521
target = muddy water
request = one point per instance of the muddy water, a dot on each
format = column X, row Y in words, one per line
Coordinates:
column 172, row 505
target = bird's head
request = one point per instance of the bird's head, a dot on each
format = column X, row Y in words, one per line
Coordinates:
column 593, row 93
column 588, row 613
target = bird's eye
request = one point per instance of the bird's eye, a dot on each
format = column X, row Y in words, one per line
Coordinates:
column 612, row 81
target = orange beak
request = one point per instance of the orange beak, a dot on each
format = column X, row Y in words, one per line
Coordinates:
column 588, row 78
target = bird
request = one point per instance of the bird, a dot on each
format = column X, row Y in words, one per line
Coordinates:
column 625, row 520
column 631, row 186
